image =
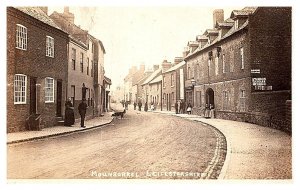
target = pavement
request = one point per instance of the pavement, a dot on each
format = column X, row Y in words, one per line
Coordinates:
column 58, row 130
column 253, row 151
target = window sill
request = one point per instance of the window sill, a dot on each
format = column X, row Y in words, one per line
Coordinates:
column 21, row 48
column 49, row 102
column 19, row 103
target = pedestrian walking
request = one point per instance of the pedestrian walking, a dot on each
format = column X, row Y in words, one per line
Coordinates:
column 146, row 106
column 176, row 107
column 134, row 105
column 211, row 111
column 82, row 111
column 189, row 108
column 140, row 105
column 152, row 106
column 207, row 111
column 69, row 113
column 182, row 107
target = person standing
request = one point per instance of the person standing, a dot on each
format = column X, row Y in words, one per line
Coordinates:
column 146, row 106
column 176, row 107
column 82, row 111
column 69, row 113
column 140, row 105
column 189, row 108
column 134, row 105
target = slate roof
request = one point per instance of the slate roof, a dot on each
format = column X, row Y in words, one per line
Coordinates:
column 156, row 80
column 244, row 12
column 38, row 14
column 227, row 23
column 201, row 37
column 232, row 30
column 107, row 80
column 211, row 31
column 152, row 76
column 175, row 67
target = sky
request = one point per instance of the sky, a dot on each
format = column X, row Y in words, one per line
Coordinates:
column 135, row 35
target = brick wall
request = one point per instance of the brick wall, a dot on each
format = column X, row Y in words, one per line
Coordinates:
column 266, row 43
column 34, row 64
column 270, row 43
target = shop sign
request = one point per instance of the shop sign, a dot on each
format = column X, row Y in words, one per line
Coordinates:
column 259, row 81
column 257, row 71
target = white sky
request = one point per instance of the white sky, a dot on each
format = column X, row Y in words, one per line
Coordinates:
column 145, row 34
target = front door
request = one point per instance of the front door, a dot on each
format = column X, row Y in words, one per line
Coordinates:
column 210, row 100
column 59, row 98
column 33, row 96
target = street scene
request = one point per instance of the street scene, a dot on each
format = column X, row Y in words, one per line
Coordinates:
column 149, row 93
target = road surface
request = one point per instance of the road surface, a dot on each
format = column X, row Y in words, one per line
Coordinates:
column 143, row 145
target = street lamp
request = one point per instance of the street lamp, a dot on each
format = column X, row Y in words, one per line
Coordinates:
column 193, row 81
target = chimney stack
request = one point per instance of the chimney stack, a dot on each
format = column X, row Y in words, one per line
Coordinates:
column 142, row 68
column 185, row 52
column 218, row 16
column 166, row 65
column 155, row 67
column 69, row 16
column 177, row 60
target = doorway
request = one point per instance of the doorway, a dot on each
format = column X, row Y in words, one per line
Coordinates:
column 33, row 95
column 210, row 100
column 58, row 98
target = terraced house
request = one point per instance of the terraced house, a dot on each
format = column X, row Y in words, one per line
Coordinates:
column 85, row 65
column 36, row 67
column 242, row 66
column 173, row 84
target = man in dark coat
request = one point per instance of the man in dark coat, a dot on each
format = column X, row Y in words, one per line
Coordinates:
column 82, row 111
column 134, row 105
column 176, row 107
column 146, row 106
column 140, row 105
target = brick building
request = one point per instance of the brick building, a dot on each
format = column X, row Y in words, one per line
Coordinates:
column 137, row 86
column 173, row 84
column 242, row 67
column 155, row 92
column 36, row 67
column 128, row 84
column 85, row 65
column 145, row 95
column 107, row 97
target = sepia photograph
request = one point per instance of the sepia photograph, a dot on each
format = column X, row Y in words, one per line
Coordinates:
column 148, row 93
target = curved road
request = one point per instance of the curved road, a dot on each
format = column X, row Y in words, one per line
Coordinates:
column 142, row 145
